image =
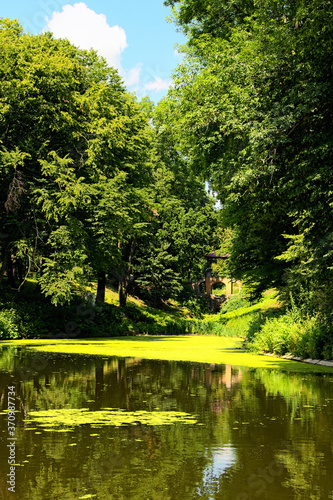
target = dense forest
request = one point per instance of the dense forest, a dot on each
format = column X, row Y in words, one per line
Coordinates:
column 100, row 189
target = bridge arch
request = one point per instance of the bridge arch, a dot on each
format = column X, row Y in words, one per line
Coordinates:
column 210, row 281
column 231, row 286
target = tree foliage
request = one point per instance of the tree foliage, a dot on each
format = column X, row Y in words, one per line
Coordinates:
column 74, row 156
column 183, row 220
column 252, row 105
column 93, row 185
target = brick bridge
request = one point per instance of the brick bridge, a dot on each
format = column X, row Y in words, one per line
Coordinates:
column 210, row 281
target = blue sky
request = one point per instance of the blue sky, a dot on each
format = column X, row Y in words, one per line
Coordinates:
column 133, row 35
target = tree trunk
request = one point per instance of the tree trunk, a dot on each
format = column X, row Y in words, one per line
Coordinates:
column 124, row 282
column 122, row 293
column 10, row 272
column 101, row 284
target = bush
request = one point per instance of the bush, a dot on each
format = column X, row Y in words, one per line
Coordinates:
column 197, row 306
column 277, row 335
column 308, row 337
column 317, row 341
column 235, row 303
column 9, row 324
column 224, row 327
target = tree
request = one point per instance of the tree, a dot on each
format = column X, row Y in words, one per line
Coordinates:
column 155, row 273
column 182, row 224
column 252, row 105
column 75, row 161
column 187, row 209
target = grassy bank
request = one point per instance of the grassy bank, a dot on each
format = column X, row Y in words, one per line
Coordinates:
column 29, row 315
column 239, row 317
column 270, row 328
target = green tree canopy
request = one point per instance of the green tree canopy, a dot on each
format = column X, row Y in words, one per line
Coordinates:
column 74, row 158
column 252, row 106
column 182, row 224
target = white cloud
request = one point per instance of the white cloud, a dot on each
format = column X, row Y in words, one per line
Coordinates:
column 158, row 84
column 132, row 77
column 87, row 29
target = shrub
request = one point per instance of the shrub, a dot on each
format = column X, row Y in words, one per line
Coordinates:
column 308, row 337
column 317, row 341
column 197, row 306
column 277, row 335
column 235, row 303
column 9, row 324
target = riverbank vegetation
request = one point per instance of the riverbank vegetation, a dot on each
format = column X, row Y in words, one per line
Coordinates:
column 105, row 215
column 31, row 315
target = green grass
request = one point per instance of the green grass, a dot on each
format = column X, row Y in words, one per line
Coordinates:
column 240, row 322
column 30, row 315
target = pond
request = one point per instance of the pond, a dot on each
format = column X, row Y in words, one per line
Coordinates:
column 129, row 428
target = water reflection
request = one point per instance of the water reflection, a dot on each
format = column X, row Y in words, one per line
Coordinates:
column 220, row 460
column 255, row 433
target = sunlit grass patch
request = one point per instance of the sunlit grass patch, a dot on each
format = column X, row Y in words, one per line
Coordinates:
column 238, row 322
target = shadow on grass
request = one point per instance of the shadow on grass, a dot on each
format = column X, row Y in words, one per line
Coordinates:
column 258, row 321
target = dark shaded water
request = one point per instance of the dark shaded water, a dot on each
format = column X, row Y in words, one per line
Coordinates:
column 255, row 434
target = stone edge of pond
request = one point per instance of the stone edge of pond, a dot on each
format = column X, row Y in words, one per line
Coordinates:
column 320, row 362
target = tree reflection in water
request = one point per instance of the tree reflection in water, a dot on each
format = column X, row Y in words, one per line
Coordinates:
column 257, row 432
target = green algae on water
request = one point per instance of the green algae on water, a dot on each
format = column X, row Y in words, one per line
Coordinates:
column 69, row 418
column 193, row 348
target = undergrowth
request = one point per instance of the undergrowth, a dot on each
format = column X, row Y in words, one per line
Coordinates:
column 29, row 314
column 294, row 333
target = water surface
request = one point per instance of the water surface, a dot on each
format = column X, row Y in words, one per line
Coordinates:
column 127, row 428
